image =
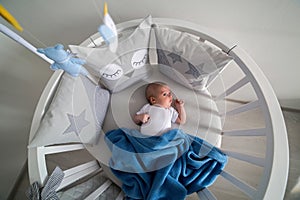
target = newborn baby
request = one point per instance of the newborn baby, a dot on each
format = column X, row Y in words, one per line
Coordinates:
column 156, row 116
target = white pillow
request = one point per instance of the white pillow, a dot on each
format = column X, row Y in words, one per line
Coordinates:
column 124, row 67
column 75, row 114
column 186, row 60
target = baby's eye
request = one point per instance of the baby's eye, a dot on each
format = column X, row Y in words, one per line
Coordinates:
column 167, row 94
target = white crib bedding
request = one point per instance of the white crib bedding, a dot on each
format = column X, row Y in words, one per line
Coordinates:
column 202, row 118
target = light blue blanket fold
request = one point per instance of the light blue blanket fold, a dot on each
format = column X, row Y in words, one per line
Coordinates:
column 163, row 167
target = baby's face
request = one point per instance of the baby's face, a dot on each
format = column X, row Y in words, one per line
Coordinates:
column 164, row 97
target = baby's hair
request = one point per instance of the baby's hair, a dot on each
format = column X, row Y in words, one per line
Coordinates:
column 151, row 88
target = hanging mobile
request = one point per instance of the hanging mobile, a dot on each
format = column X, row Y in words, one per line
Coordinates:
column 108, row 31
column 9, row 18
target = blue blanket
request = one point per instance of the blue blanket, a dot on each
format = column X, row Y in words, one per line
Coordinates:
column 169, row 166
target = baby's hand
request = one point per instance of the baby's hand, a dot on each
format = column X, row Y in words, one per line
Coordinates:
column 179, row 103
column 144, row 118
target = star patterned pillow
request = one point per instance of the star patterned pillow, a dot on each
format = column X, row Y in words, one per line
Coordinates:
column 186, row 60
column 75, row 114
column 129, row 64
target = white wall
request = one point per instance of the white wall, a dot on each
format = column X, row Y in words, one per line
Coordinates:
column 22, row 77
column 268, row 30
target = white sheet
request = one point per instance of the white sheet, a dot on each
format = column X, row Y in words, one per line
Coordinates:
column 202, row 118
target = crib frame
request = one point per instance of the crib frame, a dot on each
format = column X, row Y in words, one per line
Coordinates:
column 275, row 163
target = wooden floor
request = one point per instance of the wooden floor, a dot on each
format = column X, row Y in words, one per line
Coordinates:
column 292, row 120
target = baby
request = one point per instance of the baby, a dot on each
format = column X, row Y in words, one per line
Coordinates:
column 157, row 115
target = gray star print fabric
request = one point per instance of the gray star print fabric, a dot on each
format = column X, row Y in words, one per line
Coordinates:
column 186, row 60
column 75, row 114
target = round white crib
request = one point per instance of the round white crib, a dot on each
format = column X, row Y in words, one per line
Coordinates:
column 258, row 154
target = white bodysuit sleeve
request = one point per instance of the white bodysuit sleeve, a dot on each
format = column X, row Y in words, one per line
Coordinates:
column 144, row 109
column 174, row 114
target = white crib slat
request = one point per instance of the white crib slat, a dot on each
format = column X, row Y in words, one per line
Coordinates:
column 78, row 172
column 99, row 191
column 38, row 165
column 62, row 148
column 247, row 132
column 38, row 159
column 206, row 194
column 243, row 108
column 244, row 187
column 247, row 158
column 233, row 88
column 120, row 196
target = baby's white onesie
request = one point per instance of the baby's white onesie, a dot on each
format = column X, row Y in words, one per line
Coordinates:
column 160, row 119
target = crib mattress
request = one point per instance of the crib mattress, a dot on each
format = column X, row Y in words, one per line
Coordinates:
column 202, row 114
